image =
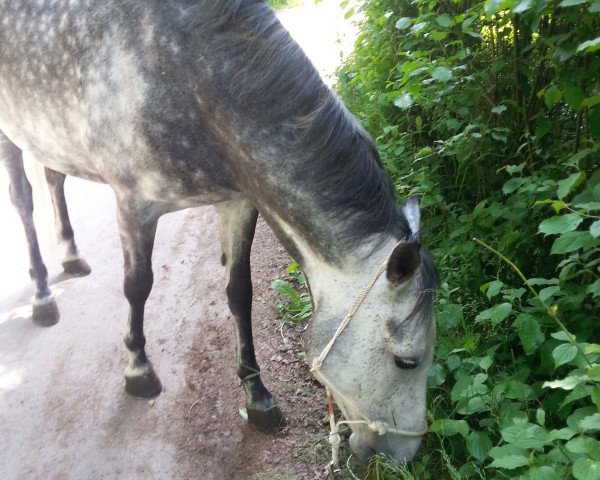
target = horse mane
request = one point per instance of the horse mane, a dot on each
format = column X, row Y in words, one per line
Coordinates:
column 324, row 144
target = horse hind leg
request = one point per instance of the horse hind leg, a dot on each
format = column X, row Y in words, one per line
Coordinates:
column 137, row 232
column 237, row 226
column 72, row 263
column 45, row 311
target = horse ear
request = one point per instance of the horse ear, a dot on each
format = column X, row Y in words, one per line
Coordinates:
column 404, row 262
column 410, row 208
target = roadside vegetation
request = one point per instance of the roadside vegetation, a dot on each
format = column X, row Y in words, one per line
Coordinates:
column 490, row 112
column 281, row 4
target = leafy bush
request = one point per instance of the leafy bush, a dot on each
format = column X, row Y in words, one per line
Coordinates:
column 490, row 110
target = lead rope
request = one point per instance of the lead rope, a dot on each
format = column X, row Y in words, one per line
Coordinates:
column 378, row 426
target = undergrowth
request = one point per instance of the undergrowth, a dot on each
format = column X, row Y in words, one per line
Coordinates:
column 490, row 112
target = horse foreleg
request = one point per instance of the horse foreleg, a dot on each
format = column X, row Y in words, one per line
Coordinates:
column 72, row 263
column 45, row 311
column 137, row 232
column 237, row 225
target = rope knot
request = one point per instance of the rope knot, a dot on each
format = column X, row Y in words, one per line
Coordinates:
column 378, row 426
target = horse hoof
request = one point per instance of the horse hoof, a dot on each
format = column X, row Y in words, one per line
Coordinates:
column 77, row 267
column 146, row 385
column 268, row 419
column 45, row 313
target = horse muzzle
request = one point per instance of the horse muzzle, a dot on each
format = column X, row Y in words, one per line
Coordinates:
column 400, row 448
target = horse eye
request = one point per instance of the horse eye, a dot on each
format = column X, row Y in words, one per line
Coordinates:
column 406, row 363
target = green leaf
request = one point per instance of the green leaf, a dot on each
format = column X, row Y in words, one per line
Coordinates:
column 492, row 288
column 574, row 96
column 441, row 74
column 562, row 434
column 403, row 23
column 568, row 383
column 540, row 416
column 522, row 6
column 590, row 45
column 447, row 427
column 566, row 185
column 450, row 316
column 584, row 445
column 493, row 6
column 499, row 109
column 570, row 3
column 552, row 95
column 542, row 473
column 560, row 224
column 548, row 292
column 590, row 423
column 529, row 332
column 516, row 390
column 444, row 21
column 586, row 469
column 436, row 376
column 595, row 229
column 526, row 435
column 468, row 387
column 404, row 101
column 593, row 372
column 571, row 241
column 591, row 101
column 496, row 314
column 510, row 462
column 478, row 445
column 595, row 395
column 594, row 289
column 512, row 184
column 563, row 354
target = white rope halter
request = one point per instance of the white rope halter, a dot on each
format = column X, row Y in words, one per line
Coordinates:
column 378, row 426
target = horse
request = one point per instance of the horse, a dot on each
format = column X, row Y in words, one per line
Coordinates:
column 44, row 309
column 180, row 103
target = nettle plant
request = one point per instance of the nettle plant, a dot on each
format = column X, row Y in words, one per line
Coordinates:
column 540, row 417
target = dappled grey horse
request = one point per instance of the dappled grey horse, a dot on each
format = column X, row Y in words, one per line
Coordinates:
column 178, row 103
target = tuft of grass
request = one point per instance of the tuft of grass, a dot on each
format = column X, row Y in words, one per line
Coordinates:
column 297, row 307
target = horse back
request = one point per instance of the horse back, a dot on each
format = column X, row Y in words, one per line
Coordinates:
column 116, row 91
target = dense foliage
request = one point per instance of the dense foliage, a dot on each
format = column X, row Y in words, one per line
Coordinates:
column 490, row 111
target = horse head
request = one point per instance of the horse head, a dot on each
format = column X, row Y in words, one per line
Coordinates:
column 372, row 340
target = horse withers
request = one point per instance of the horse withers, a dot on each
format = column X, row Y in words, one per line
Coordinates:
column 178, row 103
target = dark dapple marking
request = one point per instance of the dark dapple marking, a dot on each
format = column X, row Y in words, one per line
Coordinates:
column 177, row 103
column 45, row 311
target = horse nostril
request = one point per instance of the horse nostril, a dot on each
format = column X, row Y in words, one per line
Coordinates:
column 406, row 363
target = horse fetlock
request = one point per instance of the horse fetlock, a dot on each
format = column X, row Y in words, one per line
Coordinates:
column 265, row 415
column 45, row 311
column 141, row 381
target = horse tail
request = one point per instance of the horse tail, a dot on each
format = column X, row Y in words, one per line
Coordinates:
column 43, row 212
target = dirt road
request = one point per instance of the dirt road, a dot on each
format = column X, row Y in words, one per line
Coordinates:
column 63, row 410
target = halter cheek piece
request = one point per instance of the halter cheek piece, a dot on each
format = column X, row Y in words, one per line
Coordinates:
column 378, row 426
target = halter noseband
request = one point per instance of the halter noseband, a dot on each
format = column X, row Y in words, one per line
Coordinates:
column 378, row 426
